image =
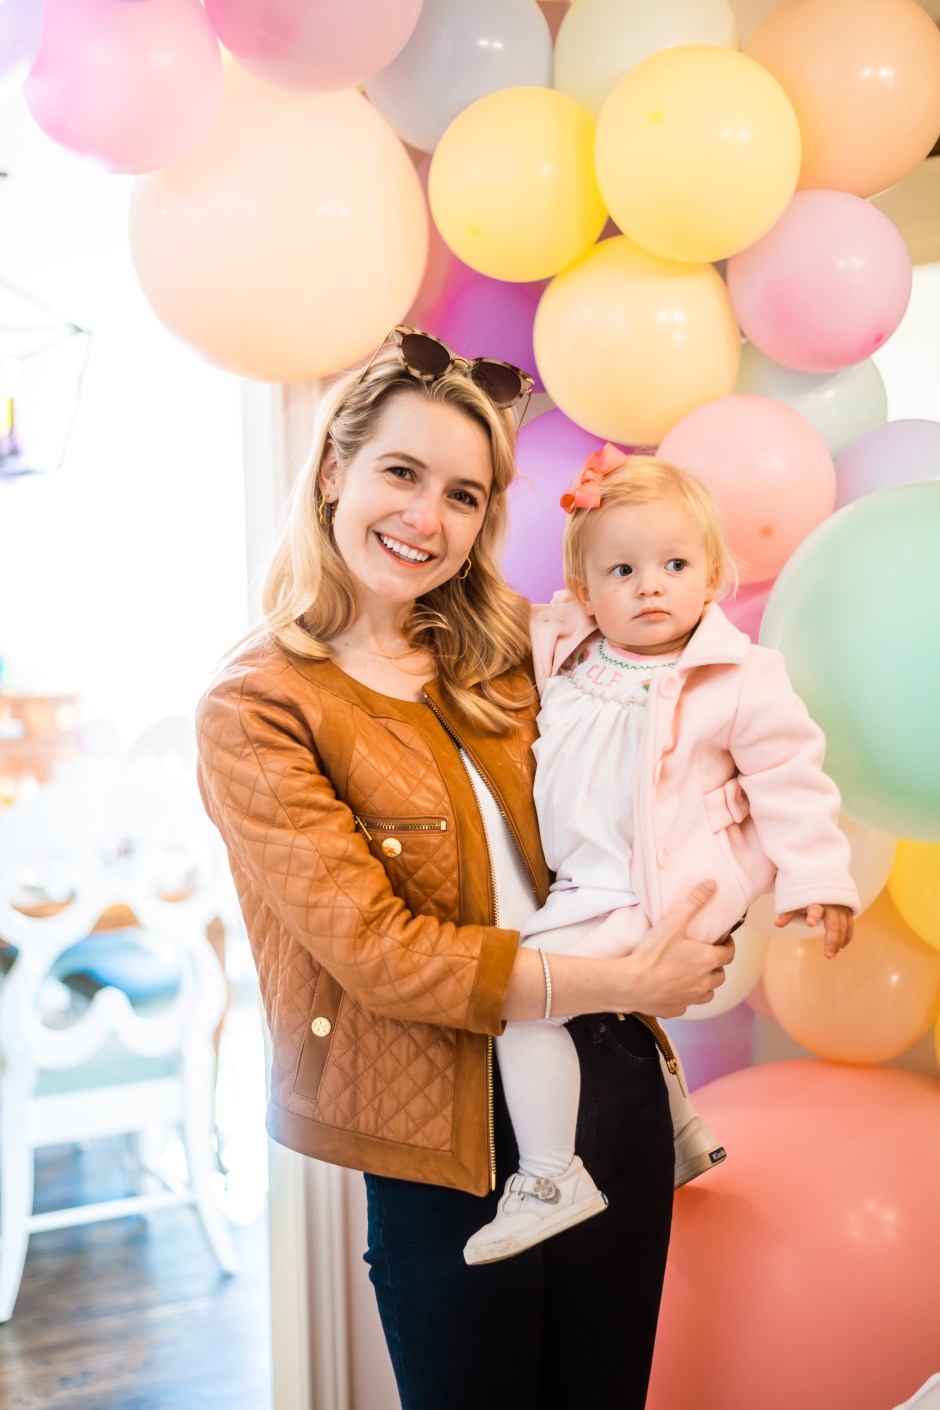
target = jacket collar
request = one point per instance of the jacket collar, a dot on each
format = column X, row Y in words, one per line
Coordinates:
column 715, row 642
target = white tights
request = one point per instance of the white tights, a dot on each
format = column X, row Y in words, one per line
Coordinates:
column 538, row 1061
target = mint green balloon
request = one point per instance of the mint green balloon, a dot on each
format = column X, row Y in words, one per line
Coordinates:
column 856, row 614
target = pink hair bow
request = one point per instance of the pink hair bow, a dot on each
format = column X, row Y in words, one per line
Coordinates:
column 585, row 493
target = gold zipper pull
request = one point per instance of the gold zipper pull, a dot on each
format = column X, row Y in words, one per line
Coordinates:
column 362, row 828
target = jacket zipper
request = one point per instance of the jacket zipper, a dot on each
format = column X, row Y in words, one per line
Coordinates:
column 400, row 825
column 664, row 1046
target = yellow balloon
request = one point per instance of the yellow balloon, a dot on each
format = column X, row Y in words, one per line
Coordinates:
column 288, row 243
column 914, row 885
column 512, row 185
column 870, row 1003
column 697, row 152
column 627, row 343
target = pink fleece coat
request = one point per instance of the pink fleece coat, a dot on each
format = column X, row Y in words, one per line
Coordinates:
column 729, row 780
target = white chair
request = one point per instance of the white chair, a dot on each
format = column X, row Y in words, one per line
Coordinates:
column 101, row 1065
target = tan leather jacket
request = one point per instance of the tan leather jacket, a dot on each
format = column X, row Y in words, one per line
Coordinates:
column 361, row 864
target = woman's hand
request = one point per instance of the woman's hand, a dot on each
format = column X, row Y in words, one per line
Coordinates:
column 664, row 975
column 671, row 972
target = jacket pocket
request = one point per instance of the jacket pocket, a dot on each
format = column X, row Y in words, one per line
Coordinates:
column 318, row 1039
column 385, row 834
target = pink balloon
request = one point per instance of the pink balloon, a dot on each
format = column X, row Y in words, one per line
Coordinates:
column 801, row 1269
column 490, row 318
column 746, row 608
column 826, row 286
column 897, row 453
column 769, row 470
column 319, row 47
column 20, row 33
column 132, row 86
column 549, row 453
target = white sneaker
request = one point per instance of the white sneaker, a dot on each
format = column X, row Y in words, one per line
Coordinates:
column 533, row 1208
column 696, row 1151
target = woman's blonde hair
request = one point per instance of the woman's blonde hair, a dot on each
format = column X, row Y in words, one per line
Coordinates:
column 475, row 627
column 644, row 479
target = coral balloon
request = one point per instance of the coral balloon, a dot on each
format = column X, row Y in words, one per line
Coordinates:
column 914, row 887
column 132, row 86
column 519, row 209
column 457, row 54
column 833, row 617
column 820, row 1230
column 549, row 452
column 826, row 286
column 746, row 608
column 20, row 34
column 599, row 40
column 841, row 405
column 873, row 856
column 628, row 343
column 767, row 467
column 864, row 78
column 320, row 48
column 899, row 453
column 697, row 152
column 871, row 1003
column 291, row 241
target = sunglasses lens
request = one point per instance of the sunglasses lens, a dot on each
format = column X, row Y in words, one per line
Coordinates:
column 424, row 355
column 502, row 384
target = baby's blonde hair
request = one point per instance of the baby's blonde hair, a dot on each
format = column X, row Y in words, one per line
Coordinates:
column 643, row 479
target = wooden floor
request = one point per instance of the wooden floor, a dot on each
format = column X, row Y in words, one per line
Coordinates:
column 133, row 1314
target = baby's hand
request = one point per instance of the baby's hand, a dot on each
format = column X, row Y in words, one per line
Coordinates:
column 839, row 924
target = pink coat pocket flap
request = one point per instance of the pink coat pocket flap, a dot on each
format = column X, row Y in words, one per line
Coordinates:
column 726, row 805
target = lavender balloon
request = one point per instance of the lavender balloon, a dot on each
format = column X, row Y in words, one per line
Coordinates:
column 20, row 33
column 897, row 453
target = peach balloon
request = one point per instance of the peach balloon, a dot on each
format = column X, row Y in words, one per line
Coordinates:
column 769, row 470
column 873, row 856
column 872, row 1002
column 289, row 243
column 627, row 343
column 801, row 1270
column 864, row 79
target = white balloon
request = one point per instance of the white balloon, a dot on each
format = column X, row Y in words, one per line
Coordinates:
column 872, row 860
column 841, row 405
column 740, row 975
column 599, row 40
column 460, row 51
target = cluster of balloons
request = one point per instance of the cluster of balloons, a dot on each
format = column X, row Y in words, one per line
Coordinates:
column 675, row 237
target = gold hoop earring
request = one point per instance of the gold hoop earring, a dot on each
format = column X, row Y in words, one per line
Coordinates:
column 467, row 566
column 326, row 513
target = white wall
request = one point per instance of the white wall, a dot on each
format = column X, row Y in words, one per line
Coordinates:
column 121, row 576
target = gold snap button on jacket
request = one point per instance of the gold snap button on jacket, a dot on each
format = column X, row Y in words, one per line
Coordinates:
column 391, row 847
column 322, row 1027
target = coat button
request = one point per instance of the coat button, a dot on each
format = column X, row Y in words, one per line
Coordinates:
column 670, row 687
column 391, row 847
column 322, row 1027
column 662, row 857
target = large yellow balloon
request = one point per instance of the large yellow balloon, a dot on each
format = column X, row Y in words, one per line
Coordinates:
column 627, row 343
column 914, row 886
column 512, row 185
column 288, row 243
column 870, row 1003
column 864, row 78
column 697, row 152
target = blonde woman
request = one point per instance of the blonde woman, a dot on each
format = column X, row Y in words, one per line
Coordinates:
column 367, row 759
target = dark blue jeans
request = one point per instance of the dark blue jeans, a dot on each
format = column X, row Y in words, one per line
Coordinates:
column 569, row 1323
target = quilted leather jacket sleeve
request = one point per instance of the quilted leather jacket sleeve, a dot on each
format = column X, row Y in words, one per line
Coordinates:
column 296, row 847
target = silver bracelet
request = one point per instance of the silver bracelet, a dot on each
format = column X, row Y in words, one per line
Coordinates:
column 548, row 984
